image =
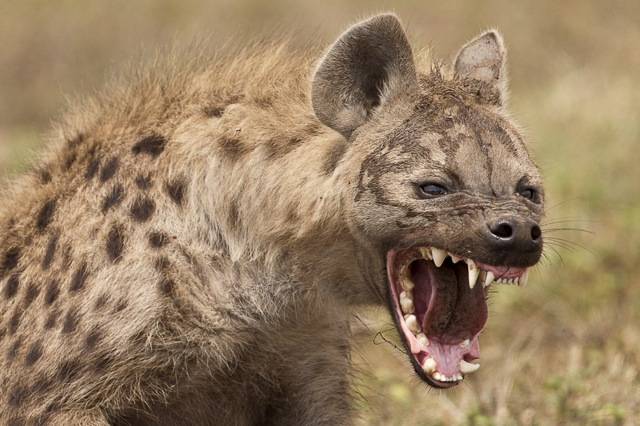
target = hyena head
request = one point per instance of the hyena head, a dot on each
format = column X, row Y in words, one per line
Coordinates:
column 442, row 196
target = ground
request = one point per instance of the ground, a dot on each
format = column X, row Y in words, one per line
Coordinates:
column 563, row 350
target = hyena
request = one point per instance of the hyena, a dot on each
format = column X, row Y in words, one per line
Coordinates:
column 191, row 247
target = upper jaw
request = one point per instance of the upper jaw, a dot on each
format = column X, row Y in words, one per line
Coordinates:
column 479, row 272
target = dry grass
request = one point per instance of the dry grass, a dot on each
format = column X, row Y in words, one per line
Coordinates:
column 564, row 350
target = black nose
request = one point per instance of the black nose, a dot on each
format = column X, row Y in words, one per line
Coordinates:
column 515, row 234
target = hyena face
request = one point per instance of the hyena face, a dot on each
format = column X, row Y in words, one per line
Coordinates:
column 442, row 194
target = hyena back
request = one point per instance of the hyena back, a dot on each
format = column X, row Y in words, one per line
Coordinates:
column 190, row 248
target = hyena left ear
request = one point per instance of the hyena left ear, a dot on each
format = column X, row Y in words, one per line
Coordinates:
column 483, row 60
column 369, row 64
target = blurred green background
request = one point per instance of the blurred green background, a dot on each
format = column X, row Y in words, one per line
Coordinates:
column 565, row 349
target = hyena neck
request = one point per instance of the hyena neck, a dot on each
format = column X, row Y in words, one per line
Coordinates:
column 277, row 200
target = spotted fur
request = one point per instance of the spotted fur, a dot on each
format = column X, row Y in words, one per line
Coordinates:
column 190, row 247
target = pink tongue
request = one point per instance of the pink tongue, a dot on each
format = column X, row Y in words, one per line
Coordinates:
column 448, row 357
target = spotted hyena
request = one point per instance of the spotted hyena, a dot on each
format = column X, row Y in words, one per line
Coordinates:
column 189, row 249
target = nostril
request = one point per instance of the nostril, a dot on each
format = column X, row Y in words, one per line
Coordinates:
column 503, row 230
column 536, row 232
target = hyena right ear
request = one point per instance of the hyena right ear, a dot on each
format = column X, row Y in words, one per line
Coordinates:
column 371, row 62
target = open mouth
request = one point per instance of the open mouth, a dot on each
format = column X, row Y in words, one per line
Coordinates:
column 439, row 302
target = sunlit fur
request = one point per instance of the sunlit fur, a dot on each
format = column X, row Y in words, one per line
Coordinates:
column 228, row 300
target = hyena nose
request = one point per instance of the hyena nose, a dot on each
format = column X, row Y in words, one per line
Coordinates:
column 516, row 233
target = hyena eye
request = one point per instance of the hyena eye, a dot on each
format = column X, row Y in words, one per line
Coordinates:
column 430, row 190
column 530, row 194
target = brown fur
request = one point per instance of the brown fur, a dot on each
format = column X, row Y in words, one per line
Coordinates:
column 188, row 250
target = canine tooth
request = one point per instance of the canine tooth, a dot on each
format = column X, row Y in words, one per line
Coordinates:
column 429, row 366
column 412, row 323
column 406, row 302
column 454, row 258
column 422, row 340
column 473, row 273
column 426, row 252
column 524, row 278
column 465, row 343
column 438, row 256
column 489, row 278
column 468, row 367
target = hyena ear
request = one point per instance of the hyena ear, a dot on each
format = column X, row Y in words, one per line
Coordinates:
column 369, row 64
column 483, row 60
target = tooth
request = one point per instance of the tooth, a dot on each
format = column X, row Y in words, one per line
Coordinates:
column 458, row 377
column 406, row 302
column 438, row 256
column 425, row 252
column 468, row 367
column 412, row 323
column 422, row 340
column 473, row 273
column 524, row 278
column 454, row 258
column 465, row 343
column 489, row 278
column 429, row 366
column 407, row 283
column 438, row 376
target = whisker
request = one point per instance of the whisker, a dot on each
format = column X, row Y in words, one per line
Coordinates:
column 380, row 334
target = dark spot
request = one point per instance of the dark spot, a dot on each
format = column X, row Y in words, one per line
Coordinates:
column 214, row 111
column 120, row 306
column 158, row 239
column 45, row 215
column 234, row 214
column 152, row 145
column 32, row 292
column 232, row 148
column 11, row 259
column 51, row 294
column 92, row 339
column 79, row 278
column 101, row 302
column 176, row 190
column 113, row 198
column 51, row 320
column 17, row 395
column 68, row 370
column 44, row 176
column 11, row 286
column 143, row 182
column 109, row 169
column 115, row 243
column 12, row 353
column 14, row 321
column 162, row 264
column 103, row 363
column 50, row 252
column 70, row 323
column 142, row 209
column 333, row 158
column 33, row 354
column 92, row 169
column 166, row 286
column 69, row 159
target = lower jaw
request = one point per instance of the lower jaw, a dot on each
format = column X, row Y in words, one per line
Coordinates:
column 441, row 364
